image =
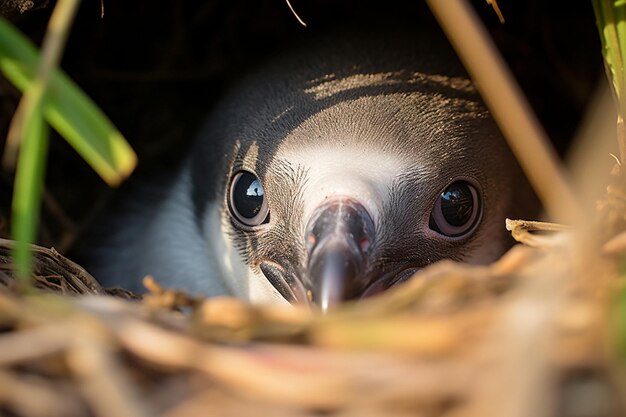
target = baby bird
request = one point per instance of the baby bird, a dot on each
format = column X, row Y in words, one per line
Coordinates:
column 331, row 173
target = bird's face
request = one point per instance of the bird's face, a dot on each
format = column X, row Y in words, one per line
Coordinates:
column 373, row 177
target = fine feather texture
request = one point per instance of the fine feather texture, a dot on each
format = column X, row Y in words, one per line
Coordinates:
column 387, row 120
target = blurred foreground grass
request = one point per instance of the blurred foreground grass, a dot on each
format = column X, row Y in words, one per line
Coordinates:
column 526, row 336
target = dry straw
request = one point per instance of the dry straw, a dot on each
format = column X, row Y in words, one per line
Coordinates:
column 528, row 335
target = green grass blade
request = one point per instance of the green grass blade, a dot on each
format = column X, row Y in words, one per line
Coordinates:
column 28, row 189
column 68, row 109
column 611, row 22
column 608, row 29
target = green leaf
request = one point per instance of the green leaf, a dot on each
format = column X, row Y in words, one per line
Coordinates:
column 68, row 109
column 28, row 189
column 619, row 319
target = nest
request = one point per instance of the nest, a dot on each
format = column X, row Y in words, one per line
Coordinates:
column 530, row 334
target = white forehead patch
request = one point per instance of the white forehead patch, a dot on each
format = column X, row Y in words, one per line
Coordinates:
column 362, row 174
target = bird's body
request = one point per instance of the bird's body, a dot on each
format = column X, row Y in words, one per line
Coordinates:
column 365, row 159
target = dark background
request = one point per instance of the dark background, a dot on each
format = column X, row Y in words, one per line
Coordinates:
column 156, row 68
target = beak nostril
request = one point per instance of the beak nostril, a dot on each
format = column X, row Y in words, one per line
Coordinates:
column 364, row 244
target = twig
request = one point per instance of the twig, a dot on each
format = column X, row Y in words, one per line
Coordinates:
column 505, row 100
column 616, row 245
column 496, row 8
column 295, row 14
column 17, row 392
column 47, row 262
column 521, row 231
column 103, row 380
column 535, row 226
column 621, row 139
column 32, row 344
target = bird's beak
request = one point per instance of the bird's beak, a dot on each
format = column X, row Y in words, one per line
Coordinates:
column 339, row 237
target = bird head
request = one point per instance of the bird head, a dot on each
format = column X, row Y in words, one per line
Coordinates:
column 342, row 169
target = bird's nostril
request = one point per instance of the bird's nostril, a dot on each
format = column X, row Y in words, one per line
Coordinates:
column 364, row 243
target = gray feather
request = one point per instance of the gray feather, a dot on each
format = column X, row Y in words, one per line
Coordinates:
column 402, row 97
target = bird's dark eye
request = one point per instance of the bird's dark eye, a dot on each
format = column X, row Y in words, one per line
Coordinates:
column 457, row 210
column 247, row 200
